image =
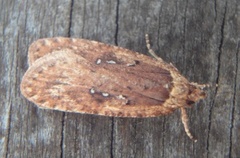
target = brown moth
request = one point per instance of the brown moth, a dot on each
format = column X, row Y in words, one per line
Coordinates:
column 83, row 76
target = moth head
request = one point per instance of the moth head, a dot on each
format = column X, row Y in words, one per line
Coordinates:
column 196, row 92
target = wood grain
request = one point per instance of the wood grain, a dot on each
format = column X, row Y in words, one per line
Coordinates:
column 201, row 38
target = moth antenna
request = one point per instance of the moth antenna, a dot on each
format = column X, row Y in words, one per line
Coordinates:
column 150, row 50
column 185, row 124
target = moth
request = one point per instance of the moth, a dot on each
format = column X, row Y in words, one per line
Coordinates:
column 83, row 76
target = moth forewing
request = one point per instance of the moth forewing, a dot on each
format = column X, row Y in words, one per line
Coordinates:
column 83, row 76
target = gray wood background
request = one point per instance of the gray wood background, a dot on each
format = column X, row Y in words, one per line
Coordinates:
column 201, row 38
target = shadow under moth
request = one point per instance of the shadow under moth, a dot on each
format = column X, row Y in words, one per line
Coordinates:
column 83, row 76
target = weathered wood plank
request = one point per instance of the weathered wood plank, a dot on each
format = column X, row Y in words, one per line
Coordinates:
column 200, row 37
column 223, row 116
column 27, row 131
column 92, row 135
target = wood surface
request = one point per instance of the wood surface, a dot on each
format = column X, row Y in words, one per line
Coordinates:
column 201, row 38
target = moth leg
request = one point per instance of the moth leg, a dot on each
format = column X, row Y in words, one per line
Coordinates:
column 150, row 50
column 185, row 124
